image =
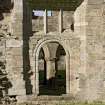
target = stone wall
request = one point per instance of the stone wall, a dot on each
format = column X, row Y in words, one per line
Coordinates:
column 95, row 55
column 53, row 21
column 82, row 39
column 14, row 45
column 89, row 25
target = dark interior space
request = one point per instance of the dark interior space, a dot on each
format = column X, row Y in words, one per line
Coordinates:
column 57, row 84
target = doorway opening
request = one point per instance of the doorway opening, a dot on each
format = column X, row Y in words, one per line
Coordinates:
column 52, row 69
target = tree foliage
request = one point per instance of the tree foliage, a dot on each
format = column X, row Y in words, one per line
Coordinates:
column 55, row 4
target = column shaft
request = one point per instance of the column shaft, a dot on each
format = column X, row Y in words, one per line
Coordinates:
column 60, row 21
column 50, row 65
column 45, row 22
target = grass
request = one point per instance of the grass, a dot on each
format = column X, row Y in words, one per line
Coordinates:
column 82, row 103
column 68, row 103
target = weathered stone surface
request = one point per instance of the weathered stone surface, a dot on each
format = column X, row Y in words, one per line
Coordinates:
column 82, row 40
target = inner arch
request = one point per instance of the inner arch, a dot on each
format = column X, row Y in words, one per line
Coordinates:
column 40, row 44
column 52, row 81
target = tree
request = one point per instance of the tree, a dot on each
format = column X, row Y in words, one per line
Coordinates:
column 55, row 4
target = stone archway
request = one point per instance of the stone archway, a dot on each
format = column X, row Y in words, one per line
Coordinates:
column 35, row 82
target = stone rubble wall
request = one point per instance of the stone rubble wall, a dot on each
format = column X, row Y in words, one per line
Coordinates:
column 85, row 45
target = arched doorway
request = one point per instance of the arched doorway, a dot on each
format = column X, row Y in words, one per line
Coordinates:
column 52, row 69
column 40, row 45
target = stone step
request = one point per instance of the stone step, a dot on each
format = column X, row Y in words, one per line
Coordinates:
column 50, row 98
column 46, row 100
column 50, row 103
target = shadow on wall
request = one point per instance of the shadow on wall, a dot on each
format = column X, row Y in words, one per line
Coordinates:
column 27, row 33
column 5, row 7
column 26, row 59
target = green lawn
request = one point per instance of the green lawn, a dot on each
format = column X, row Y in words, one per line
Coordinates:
column 70, row 103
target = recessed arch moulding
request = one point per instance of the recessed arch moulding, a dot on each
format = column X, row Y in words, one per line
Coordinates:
column 71, row 48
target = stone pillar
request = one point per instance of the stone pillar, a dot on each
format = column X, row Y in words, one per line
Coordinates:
column 50, row 65
column 17, row 18
column 14, row 51
column 50, row 60
column 60, row 20
column 45, row 22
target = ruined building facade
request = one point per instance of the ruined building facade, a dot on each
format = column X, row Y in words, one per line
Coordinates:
column 80, row 33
